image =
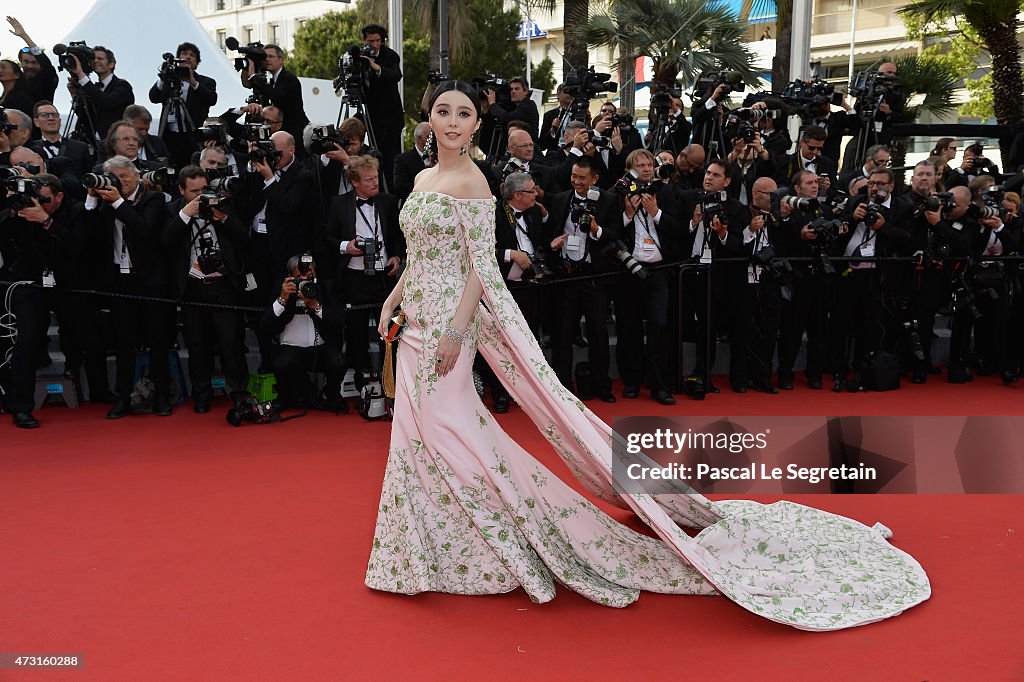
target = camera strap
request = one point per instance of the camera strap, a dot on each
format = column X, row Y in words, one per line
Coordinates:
column 646, row 225
column 375, row 228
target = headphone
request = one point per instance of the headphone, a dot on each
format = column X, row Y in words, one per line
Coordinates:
column 375, row 28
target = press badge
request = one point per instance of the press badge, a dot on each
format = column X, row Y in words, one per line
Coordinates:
column 48, row 281
column 867, row 249
column 574, row 244
column 648, row 245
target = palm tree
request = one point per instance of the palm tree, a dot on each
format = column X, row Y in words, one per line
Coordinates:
column 682, row 37
column 783, row 35
column 462, row 30
column 996, row 23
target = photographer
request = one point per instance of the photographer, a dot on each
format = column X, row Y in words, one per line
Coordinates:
column 333, row 177
column 309, row 327
column 936, row 236
column 808, row 156
column 880, row 104
column 151, row 147
column 521, row 152
column 282, row 89
column 20, row 130
column 750, row 161
column 364, row 239
column 836, row 124
column 709, row 110
column 408, row 164
column 63, row 155
column 648, row 234
column 774, row 134
column 581, row 222
column 677, row 128
column 39, row 236
column 383, row 101
column 863, row 314
column 186, row 97
column 689, row 168
column 129, row 219
column 974, row 164
column 98, row 104
column 552, row 128
column 758, row 306
column 807, row 310
column 206, row 244
column 717, row 234
column 276, row 199
column 39, row 77
column 877, row 156
column 515, row 104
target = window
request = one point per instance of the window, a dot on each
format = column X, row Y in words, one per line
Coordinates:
column 272, row 32
column 249, row 37
column 246, row 3
column 219, row 5
column 222, row 36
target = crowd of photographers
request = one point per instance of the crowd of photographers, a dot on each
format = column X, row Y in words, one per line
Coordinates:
column 254, row 217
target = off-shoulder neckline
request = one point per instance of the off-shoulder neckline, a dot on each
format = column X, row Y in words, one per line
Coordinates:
column 450, row 196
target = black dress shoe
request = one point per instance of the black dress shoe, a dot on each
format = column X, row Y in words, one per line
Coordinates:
column 739, row 388
column 812, row 383
column 663, row 397
column 162, row 407
column 202, row 406
column 764, row 387
column 25, row 420
column 501, row 404
column 713, row 389
column 918, row 377
column 105, row 397
column 787, row 384
column 607, row 397
column 1008, row 377
column 120, row 409
column 631, row 392
column 932, row 369
column 839, row 385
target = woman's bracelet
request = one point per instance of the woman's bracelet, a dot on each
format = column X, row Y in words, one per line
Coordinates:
column 452, row 335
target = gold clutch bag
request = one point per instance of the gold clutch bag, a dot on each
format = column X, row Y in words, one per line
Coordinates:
column 398, row 323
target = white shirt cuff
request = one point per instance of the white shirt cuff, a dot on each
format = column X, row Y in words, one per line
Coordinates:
column 577, row 152
column 278, row 309
column 117, row 204
column 748, row 236
column 657, row 217
column 83, row 81
column 508, row 255
column 710, row 104
column 271, row 181
column 324, row 160
column 600, row 231
column 184, row 218
column 91, row 202
column 343, row 247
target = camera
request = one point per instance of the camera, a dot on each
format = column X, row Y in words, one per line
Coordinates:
column 159, row 176
column 208, row 201
column 874, row 209
column 712, row 205
column 980, row 164
column 265, row 152
column 23, row 191
column 584, row 84
column 324, row 140
column 215, row 132
column 802, row 204
column 101, row 181
column 224, row 186
column 707, row 82
column 622, row 120
column 222, row 172
column 514, row 165
column 502, row 88
column 352, row 69
column 940, row 201
column 172, row 70
column 253, row 411
column 870, row 88
column 617, row 250
column 79, row 49
column 211, row 258
column 583, row 213
column 253, row 52
column 371, row 252
column 435, row 76
column 5, row 125
column 665, row 169
column 735, row 128
column 630, row 185
column 774, row 265
column 538, row 269
column 807, row 97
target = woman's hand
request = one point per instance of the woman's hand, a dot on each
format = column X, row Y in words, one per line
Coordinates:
column 386, row 313
column 447, row 354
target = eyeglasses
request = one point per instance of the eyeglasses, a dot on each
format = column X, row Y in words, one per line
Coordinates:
column 126, row 138
column 951, row 149
column 815, row 149
column 270, row 121
column 872, row 183
column 528, row 145
column 47, row 114
column 528, row 191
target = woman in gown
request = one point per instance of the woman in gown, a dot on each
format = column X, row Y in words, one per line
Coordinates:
column 465, row 510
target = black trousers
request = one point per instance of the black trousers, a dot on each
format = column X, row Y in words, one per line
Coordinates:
column 81, row 339
column 291, row 365
column 268, row 286
column 694, row 310
column 29, row 305
column 180, row 147
column 636, row 301
column 207, row 329
column 754, row 332
column 360, row 289
column 991, row 329
column 931, row 289
column 807, row 311
column 859, row 320
column 141, row 323
column 588, row 298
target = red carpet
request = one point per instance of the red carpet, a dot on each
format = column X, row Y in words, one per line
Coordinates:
column 181, row 548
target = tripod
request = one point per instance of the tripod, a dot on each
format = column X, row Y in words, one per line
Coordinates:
column 87, row 133
column 660, row 132
column 180, row 142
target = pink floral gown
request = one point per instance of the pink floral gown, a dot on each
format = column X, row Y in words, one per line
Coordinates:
column 465, row 510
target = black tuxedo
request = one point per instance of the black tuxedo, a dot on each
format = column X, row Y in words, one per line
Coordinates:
column 530, row 298
column 353, row 285
column 545, row 141
column 744, row 181
column 286, row 94
column 787, row 166
column 289, row 203
column 206, row 328
column 292, row 363
column 494, row 129
column 44, row 84
column 104, row 106
column 837, row 124
column 28, row 251
column 137, row 323
column 197, row 102
column 72, row 158
column 605, row 177
column 585, row 297
column 384, row 107
column 156, row 149
column 408, row 165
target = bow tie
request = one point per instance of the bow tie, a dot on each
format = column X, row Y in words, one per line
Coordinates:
column 363, row 202
column 517, row 214
column 100, row 85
